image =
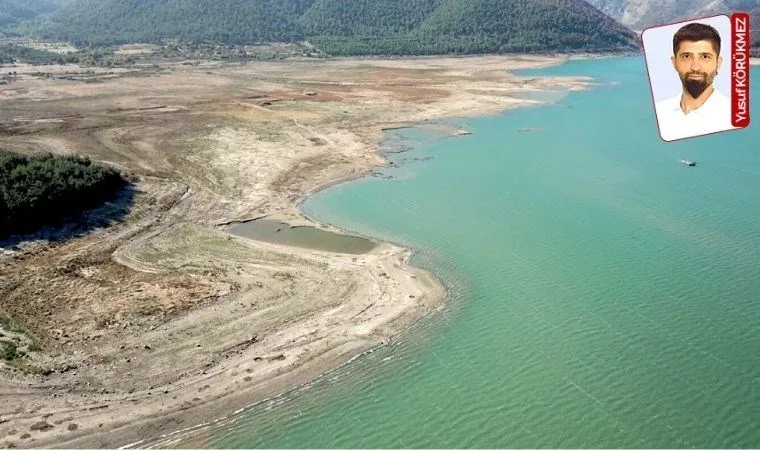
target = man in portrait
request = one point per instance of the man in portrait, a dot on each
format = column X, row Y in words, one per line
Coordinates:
column 700, row 108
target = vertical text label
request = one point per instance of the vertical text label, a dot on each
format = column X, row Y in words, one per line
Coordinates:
column 740, row 70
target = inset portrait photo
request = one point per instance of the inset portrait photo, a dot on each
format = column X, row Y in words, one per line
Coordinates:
column 690, row 73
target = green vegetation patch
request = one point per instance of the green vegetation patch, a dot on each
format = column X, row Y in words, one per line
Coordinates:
column 45, row 189
column 9, row 325
column 10, row 351
column 100, row 57
column 10, row 53
column 345, row 27
column 14, row 341
column 13, row 13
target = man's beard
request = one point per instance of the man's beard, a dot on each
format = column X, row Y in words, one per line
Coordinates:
column 696, row 86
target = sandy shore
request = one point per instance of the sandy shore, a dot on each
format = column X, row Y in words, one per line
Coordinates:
column 163, row 321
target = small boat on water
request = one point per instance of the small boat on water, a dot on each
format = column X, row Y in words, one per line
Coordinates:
column 688, row 162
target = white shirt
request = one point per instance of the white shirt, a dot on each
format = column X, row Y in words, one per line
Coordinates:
column 714, row 115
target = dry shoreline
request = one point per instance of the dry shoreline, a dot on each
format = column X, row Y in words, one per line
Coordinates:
column 265, row 320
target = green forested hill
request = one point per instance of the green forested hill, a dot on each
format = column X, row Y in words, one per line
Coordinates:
column 230, row 21
column 365, row 18
column 533, row 24
column 12, row 12
column 345, row 27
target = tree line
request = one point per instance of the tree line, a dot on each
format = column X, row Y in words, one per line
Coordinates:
column 42, row 189
column 344, row 27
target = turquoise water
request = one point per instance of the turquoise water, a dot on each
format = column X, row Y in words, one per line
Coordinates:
column 601, row 293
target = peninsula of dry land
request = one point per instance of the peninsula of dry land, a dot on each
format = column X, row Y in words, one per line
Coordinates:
column 163, row 320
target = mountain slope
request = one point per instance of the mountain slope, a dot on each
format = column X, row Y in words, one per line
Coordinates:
column 13, row 12
column 365, row 18
column 537, row 24
column 640, row 14
column 118, row 21
column 344, row 27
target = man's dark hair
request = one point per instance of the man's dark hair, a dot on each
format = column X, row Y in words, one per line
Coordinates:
column 696, row 32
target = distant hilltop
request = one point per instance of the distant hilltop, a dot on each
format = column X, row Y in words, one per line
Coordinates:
column 341, row 27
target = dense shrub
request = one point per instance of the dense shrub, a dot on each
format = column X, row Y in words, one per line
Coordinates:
column 43, row 189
